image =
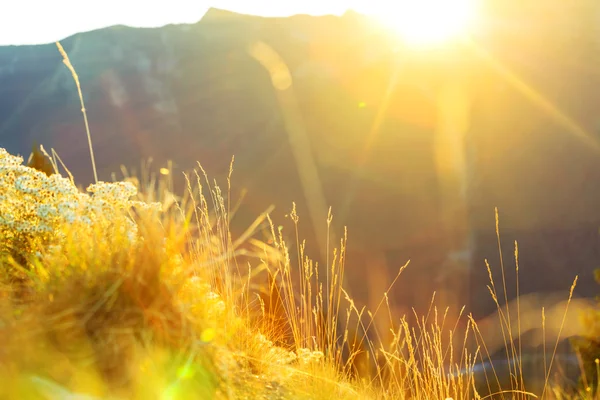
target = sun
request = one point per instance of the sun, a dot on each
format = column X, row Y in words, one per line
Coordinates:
column 426, row 22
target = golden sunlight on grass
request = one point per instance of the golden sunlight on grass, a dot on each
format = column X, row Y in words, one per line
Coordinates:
column 426, row 22
column 128, row 291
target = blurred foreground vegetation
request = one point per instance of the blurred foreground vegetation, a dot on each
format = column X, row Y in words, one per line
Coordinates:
column 129, row 291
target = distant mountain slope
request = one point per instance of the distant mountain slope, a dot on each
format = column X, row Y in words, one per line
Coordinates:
column 195, row 93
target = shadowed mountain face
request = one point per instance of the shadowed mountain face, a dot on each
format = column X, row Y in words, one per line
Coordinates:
column 345, row 101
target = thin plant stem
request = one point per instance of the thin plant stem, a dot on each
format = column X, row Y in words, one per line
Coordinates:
column 67, row 62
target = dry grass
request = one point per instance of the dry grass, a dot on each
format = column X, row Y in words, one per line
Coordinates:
column 184, row 310
column 101, row 310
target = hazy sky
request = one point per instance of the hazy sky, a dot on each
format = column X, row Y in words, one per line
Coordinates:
column 43, row 21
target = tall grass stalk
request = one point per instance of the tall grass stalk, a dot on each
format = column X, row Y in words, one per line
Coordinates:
column 67, row 62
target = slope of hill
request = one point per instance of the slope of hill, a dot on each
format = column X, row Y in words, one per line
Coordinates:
column 195, row 93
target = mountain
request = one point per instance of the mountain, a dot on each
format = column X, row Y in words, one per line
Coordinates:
column 340, row 99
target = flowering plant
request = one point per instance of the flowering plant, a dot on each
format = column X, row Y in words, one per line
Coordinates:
column 36, row 208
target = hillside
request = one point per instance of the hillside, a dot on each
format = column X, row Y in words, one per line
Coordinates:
column 195, row 93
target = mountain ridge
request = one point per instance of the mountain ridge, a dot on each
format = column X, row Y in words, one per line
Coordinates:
column 193, row 92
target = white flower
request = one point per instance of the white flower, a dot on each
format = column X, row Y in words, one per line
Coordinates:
column 46, row 210
column 306, row 356
column 35, row 204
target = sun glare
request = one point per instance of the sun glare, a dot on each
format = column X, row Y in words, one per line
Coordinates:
column 426, row 22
